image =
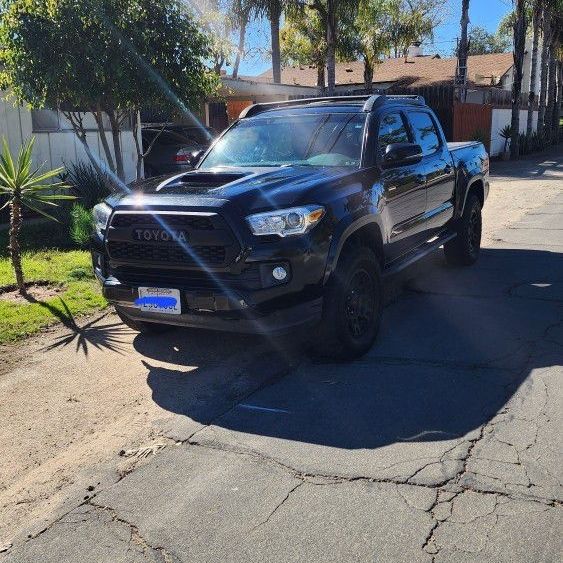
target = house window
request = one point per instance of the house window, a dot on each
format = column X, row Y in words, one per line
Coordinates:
column 50, row 120
column 45, row 120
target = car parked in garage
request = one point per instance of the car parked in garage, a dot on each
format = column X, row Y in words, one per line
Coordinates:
column 172, row 147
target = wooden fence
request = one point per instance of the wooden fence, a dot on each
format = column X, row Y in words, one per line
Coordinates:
column 472, row 122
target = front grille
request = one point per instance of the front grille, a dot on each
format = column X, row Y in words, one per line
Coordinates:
column 207, row 240
column 170, row 254
column 248, row 279
column 170, row 220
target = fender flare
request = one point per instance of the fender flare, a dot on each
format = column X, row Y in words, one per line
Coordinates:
column 463, row 200
column 344, row 230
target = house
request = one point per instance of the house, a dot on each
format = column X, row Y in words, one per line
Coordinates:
column 414, row 71
column 55, row 142
column 237, row 93
column 487, row 105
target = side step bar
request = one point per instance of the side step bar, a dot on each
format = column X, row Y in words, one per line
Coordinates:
column 416, row 254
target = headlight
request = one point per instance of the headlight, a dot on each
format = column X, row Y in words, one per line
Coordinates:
column 285, row 222
column 101, row 213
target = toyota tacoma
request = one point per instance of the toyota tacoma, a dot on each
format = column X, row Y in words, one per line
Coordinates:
column 293, row 218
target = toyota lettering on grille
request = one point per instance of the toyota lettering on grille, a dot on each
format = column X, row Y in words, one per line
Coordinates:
column 159, row 235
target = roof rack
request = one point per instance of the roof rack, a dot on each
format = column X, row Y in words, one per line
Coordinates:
column 370, row 102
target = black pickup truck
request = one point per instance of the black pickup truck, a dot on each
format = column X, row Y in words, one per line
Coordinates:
column 293, row 217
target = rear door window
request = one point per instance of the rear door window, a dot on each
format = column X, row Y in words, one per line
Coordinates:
column 425, row 132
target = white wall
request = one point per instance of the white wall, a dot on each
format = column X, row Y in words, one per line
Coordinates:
column 502, row 117
column 58, row 148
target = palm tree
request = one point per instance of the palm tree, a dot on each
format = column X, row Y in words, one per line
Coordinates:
column 520, row 25
column 536, row 17
column 241, row 10
column 25, row 186
column 544, row 62
column 273, row 10
column 551, row 125
column 330, row 46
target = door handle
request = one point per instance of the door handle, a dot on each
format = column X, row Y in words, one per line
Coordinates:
column 420, row 179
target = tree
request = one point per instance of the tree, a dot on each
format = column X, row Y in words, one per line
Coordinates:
column 481, row 42
column 25, row 186
column 551, row 26
column 303, row 40
column 273, row 10
column 520, row 26
column 536, row 17
column 240, row 16
column 331, row 39
column 217, row 17
column 107, row 57
column 334, row 13
column 551, row 121
column 372, row 40
column 410, row 21
column 544, row 64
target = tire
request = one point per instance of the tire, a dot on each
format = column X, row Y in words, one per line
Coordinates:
column 141, row 326
column 463, row 250
column 353, row 306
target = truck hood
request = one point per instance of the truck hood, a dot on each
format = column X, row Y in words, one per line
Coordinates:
column 249, row 189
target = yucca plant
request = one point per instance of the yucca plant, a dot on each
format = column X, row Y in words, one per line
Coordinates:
column 25, row 186
column 506, row 133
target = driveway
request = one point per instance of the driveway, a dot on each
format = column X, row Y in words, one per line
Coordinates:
column 441, row 444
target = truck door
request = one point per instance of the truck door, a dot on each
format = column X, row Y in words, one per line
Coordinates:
column 437, row 166
column 403, row 187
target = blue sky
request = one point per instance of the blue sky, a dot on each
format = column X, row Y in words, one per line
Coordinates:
column 485, row 13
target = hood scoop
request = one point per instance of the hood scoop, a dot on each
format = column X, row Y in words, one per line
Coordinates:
column 197, row 182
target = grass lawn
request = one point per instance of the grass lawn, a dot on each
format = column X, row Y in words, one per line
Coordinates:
column 63, row 265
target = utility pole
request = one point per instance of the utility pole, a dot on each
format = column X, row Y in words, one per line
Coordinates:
column 462, row 50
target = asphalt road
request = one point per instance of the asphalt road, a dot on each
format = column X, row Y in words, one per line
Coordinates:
column 444, row 443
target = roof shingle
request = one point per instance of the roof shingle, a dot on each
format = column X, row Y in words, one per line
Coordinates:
column 416, row 71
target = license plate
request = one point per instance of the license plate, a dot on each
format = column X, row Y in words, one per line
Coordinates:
column 159, row 300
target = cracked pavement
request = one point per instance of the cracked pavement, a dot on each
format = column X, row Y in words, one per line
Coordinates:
column 442, row 444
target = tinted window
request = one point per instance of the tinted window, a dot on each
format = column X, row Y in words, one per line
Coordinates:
column 424, row 132
column 391, row 130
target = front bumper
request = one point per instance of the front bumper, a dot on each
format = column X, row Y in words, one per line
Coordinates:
column 236, row 293
column 214, row 310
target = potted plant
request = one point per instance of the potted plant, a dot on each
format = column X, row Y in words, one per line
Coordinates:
column 505, row 133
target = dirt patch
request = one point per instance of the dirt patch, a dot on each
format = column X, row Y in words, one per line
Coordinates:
column 36, row 291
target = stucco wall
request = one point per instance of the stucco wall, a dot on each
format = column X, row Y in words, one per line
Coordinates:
column 58, row 148
column 502, row 117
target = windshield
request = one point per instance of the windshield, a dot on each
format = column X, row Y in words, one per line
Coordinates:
column 307, row 140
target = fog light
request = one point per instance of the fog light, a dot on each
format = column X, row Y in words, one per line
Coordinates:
column 279, row 273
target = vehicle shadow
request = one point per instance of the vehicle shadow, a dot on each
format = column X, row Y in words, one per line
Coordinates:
column 452, row 351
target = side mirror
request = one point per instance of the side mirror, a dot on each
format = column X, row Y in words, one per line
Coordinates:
column 401, row 153
column 195, row 156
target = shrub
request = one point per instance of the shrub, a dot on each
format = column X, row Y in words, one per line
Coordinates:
column 87, row 184
column 523, row 144
column 80, row 224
